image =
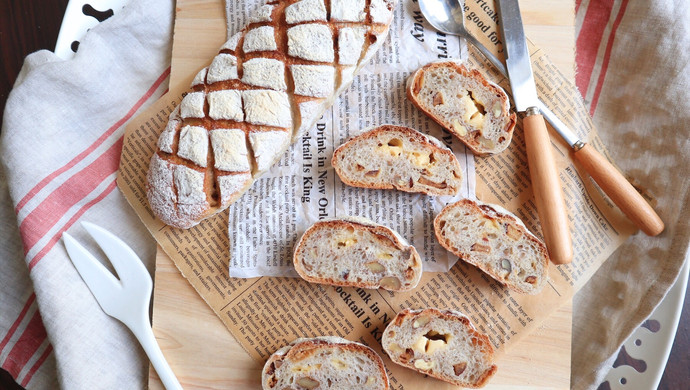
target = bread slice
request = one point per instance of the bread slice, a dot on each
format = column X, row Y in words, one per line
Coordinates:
column 357, row 252
column 472, row 108
column 496, row 241
column 268, row 84
column 442, row 344
column 324, row 363
column 398, row 157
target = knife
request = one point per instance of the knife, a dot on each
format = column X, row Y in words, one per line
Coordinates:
column 542, row 168
column 605, row 174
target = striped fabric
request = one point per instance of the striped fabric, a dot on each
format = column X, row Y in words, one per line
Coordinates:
column 29, row 346
column 598, row 22
column 632, row 71
column 60, row 148
column 48, row 210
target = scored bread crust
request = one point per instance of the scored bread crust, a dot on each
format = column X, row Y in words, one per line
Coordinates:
column 487, row 133
column 454, row 350
column 355, row 251
column 496, row 241
column 268, row 84
column 318, row 355
column 398, row 157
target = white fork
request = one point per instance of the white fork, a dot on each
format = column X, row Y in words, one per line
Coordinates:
column 126, row 299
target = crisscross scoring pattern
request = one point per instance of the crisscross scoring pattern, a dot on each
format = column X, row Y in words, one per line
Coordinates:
column 269, row 83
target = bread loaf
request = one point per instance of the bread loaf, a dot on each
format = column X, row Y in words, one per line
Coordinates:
column 442, row 344
column 472, row 108
column 398, row 157
column 324, row 363
column 357, row 252
column 496, row 241
column 268, row 84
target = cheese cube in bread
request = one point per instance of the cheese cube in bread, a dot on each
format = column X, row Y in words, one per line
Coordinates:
column 496, row 241
column 324, row 363
column 398, row 157
column 440, row 343
column 466, row 104
column 357, row 252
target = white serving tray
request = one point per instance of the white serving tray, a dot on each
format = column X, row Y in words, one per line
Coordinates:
column 652, row 346
column 80, row 16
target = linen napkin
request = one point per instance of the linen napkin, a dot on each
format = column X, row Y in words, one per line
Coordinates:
column 632, row 69
column 60, row 148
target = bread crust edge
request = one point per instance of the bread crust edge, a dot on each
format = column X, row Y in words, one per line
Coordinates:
column 315, row 343
column 379, row 230
column 373, row 132
column 451, row 315
column 499, row 215
column 474, row 73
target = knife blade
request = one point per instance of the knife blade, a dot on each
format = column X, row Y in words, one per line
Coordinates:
column 546, row 184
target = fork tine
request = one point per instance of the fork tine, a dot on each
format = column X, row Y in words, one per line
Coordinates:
column 98, row 279
column 129, row 267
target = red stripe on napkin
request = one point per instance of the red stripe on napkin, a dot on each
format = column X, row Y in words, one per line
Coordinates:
column 607, row 57
column 54, row 206
column 34, row 335
column 56, row 237
column 18, row 321
column 93, row 146
column 36, row 366
column 26, row 346
column 42, row 333
column 588, row 41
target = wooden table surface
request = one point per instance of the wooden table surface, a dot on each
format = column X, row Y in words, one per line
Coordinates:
column 30, row 25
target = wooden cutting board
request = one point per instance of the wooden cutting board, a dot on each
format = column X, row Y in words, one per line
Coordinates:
column 202, row 352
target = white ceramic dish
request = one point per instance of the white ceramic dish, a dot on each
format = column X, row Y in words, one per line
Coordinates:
column 80, row 16
column 652, row 346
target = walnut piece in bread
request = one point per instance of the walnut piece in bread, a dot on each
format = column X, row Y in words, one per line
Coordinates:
column 389, row 156
column 268, row 84
column 495, row 241
column 324, row 363
column 442, row 344
column 465, row 103
column 357, row 252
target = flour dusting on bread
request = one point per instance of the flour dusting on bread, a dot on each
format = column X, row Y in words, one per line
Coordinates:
column 269, row 83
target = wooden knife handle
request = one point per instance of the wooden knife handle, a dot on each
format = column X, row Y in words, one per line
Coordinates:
column 621, row 192
column 548, row 193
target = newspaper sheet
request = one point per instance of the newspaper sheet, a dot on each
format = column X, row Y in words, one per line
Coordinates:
column 264, row 313
column 303, row 187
